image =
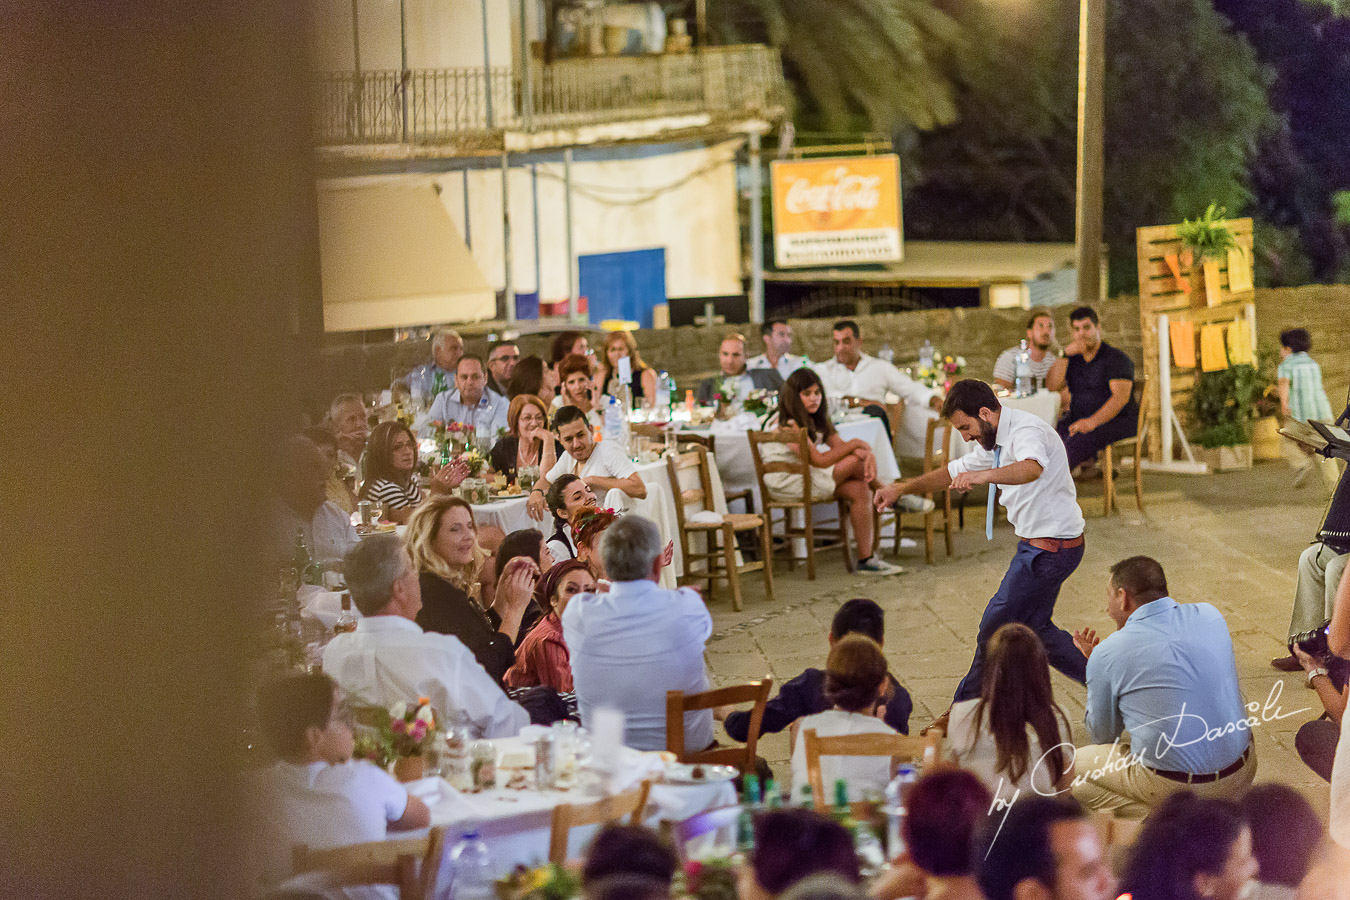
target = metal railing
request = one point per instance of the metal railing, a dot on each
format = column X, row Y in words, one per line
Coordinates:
column 428, row 106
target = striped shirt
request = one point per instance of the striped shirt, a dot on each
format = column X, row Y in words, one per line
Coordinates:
column 389, row 495
column 1307, row 397
column 1005, row 367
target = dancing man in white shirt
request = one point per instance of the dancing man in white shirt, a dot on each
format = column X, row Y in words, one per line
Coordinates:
column 389, row 658
column 1023, row 459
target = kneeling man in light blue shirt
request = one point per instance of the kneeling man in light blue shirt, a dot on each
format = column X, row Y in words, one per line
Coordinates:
column 1168, row 677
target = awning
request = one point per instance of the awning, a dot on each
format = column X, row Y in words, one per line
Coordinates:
column 391, row 257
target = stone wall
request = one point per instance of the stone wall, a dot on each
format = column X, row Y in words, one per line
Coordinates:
column 690, row 352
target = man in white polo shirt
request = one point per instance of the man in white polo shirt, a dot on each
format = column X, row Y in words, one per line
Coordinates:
column 603, row 466
column 1022, row 458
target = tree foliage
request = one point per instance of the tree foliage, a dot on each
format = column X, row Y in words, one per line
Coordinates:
column 878, row 65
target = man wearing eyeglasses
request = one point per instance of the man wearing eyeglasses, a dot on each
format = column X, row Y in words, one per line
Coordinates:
column 501, row 366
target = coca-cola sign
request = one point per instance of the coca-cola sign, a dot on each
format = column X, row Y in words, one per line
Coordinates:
column 836, row 211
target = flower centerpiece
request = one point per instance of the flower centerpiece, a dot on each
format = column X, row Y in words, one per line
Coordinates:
column 475, row 460
column 945, row 370
column 396, row 736
column 725, row 398
column 761, row 401
column 707, row 879
column 550, row 882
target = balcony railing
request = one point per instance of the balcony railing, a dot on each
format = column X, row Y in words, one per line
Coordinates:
column 429, row 106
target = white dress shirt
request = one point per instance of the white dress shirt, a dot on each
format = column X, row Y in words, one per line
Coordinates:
column 631, row 645
column 871, row 379
column 787, row 363
column 865, row 774
column 389, row 659
column 1046, row 507
column 321, row 806
column 328, row 534
column 607, row 460
column 487, row 417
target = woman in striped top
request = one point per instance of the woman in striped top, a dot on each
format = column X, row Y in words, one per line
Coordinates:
column 391, row 471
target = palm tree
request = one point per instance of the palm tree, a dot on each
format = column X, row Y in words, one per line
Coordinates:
column 890, row 63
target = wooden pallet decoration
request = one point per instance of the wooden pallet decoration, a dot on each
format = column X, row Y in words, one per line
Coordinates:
column 1168, row 284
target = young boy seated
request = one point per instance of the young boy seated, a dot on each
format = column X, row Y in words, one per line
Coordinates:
column 805, row 694
column 315, row 794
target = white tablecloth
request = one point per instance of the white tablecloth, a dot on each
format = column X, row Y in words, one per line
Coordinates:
column 516, row 824
column 659, row 506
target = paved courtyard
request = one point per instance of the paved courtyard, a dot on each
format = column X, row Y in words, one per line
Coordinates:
column 1232, row 539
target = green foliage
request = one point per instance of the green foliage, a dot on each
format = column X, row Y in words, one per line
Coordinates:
column 1340, row 202
column 1208, row 237
column 1281, row 259
column 1186, row 103
column 1339, row 7
column 880, row 65
column 1224, row 404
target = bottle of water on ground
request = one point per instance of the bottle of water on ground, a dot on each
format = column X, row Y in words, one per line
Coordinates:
column 1022, row 382
column 470, row 876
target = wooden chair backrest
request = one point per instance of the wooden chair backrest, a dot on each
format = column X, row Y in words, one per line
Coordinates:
column 801, row 465
column 647, row 430
column 935, row 452
column 706, row 441
column 900, row 747
column 409, row 863
column 678, row 703
column 697, row 458
column 567, row 816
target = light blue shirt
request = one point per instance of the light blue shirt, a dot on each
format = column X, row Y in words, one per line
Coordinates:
column 487, row 418
column 1169, row 678
column 631, row 645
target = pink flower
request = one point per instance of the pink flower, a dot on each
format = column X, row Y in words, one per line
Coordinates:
column 398, row 726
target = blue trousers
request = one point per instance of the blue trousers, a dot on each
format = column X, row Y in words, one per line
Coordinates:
column 1027, row 595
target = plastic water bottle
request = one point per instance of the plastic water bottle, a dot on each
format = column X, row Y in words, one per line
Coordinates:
column 665, row 394
column 471, row 875
column 926, row 355
column 897, row 794
column 886, row 354
column 616, row 421
column 1022, row 381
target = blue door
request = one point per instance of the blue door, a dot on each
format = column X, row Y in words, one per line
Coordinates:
column 624, row 285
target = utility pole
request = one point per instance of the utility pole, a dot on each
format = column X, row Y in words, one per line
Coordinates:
column 1091, row 153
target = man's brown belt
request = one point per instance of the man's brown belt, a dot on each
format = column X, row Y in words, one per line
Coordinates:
column 1054, row 545
column 1188, row 778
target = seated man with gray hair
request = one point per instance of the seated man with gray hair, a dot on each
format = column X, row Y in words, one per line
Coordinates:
column 389, row 658
column 631, row 645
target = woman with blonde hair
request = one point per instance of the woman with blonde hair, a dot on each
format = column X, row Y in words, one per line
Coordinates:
column 442, row 539
column 643, row 378
column 527, row 442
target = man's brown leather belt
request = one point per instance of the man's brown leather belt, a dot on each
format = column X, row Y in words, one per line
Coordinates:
column 1188, row 778
column 1054, row 545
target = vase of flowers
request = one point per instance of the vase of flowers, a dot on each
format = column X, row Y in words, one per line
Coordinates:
column 550, row 882
column 725, row 399
column 395, row 737
column 707, row 879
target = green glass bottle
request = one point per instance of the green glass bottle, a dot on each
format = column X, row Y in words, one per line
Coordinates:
column 773, row 798
column 745, row 822
column 808, row 802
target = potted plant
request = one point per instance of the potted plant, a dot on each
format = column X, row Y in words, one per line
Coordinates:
column 1205, row 242
column 1224, row 405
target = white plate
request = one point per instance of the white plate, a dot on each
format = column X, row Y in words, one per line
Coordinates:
column 683, row 773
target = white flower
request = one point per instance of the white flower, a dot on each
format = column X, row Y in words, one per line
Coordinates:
column 426, row 715
column 398, row 710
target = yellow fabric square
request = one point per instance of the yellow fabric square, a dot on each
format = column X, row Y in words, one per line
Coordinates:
column 1213, row 358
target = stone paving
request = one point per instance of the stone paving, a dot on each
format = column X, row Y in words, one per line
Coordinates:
column 1232, row 539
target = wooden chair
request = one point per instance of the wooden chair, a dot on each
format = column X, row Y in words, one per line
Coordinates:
column 719, row 559
column 900, row 747
column 835, row 538
column 709, row 442
column 409, row 863
column 937, row 443
column 678, row 703
column 1106, row 458
column 707, row 822
column 567, row 816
